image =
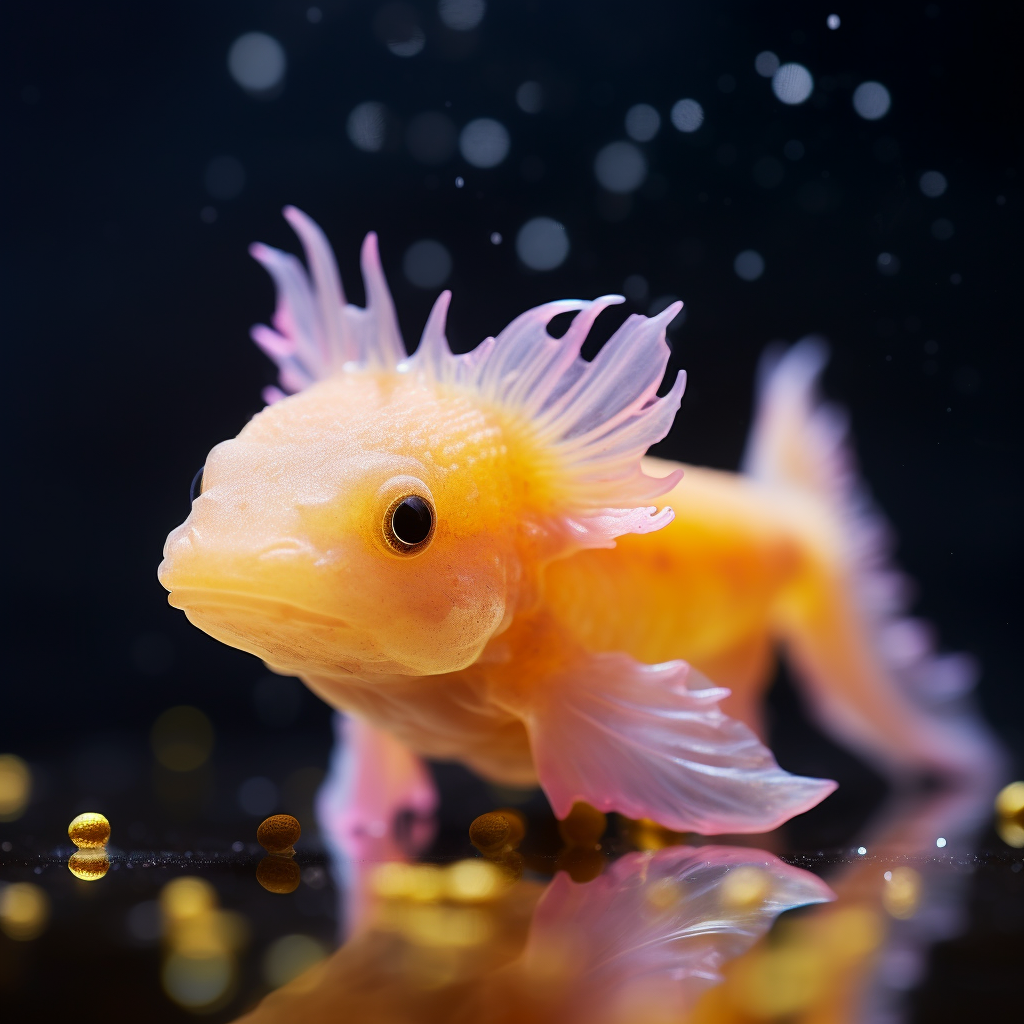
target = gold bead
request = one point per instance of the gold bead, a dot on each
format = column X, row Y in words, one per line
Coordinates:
column 278, row 874
column 89, row 864
column 278, row 833
column 89, row 831
column 489, row 833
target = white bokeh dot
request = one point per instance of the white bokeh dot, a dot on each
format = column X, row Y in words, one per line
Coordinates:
column 642, row 122
column 749, row 265
column 367, row 127
column 542, row 243
column 427, row 263
column 871, row 100
column 257, row 62
column 620, row 167
column 792, row 84
column 461, row 15
column 833, row 21
column 530, row 97
column 687, row 115
column 484, row 142
column 933, row 184
column 766, row 63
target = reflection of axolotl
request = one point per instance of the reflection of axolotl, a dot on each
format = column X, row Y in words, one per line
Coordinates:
column 429, row 542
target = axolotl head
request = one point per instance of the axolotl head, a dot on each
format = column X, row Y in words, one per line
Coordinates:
column 393, row 513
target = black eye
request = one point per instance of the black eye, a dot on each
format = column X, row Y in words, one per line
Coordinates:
column 409, row 524
column 197, row 485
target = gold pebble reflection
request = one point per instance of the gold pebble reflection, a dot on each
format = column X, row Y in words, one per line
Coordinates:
column 90, row 832
column 277, row 872
column 15, row 787
column 201, row 945
column 24, row 911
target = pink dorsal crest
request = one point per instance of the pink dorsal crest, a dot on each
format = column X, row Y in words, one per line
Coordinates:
column 597, row 419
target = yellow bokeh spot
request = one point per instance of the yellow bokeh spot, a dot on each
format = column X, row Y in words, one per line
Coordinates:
column 849, row 933
column 90, row 865
column 289, row 956
column 901, row 894
column 470, row 881
column 1010, row 802
column 89, row 830
column 744, row 888
column 447, row 927
column 24, row 911
column 777, row 982
column 187, row 897
column 663, row 894
column 1010, row 832
column 182, row 738
column 15, row 787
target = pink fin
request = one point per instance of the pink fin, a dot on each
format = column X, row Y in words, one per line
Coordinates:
column 913, row 709
column 632, row 738
column 658, row 927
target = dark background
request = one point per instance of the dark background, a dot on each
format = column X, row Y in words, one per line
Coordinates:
column 127, row 308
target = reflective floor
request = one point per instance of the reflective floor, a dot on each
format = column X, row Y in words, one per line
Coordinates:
column 917, row 916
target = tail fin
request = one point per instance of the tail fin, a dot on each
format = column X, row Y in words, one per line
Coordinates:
column 873, row 674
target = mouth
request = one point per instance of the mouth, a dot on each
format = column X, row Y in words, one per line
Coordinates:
column 197, row 599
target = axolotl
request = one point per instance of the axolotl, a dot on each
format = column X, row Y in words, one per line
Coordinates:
column 473, row 555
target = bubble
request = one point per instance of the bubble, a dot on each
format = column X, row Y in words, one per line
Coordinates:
column 871, row 100
column 182, row 738
column 833, row 21
column 431, row 137
column 257, row 796
column 484, row 142
column 461, row 15
column 224, row 178
column 793, row 150
column 542, row 243
column 257, row 62
column 397, row 26
column 687, row 115
column 427, row 263
column 940, row 842
column 768, row 172
column 766, row 63
column 888, row 264
column 642, row 122
column 942, row 229
column 367, row 126
column 792, row 84
column 15, row 787
column 530, row 97
column 933, row 184
column 862, row 850
column 749, row 265
column 620, row 167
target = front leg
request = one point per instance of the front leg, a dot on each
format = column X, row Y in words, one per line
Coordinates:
column 648, row 741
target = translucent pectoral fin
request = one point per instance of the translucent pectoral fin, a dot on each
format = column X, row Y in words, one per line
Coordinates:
column 646, row 741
